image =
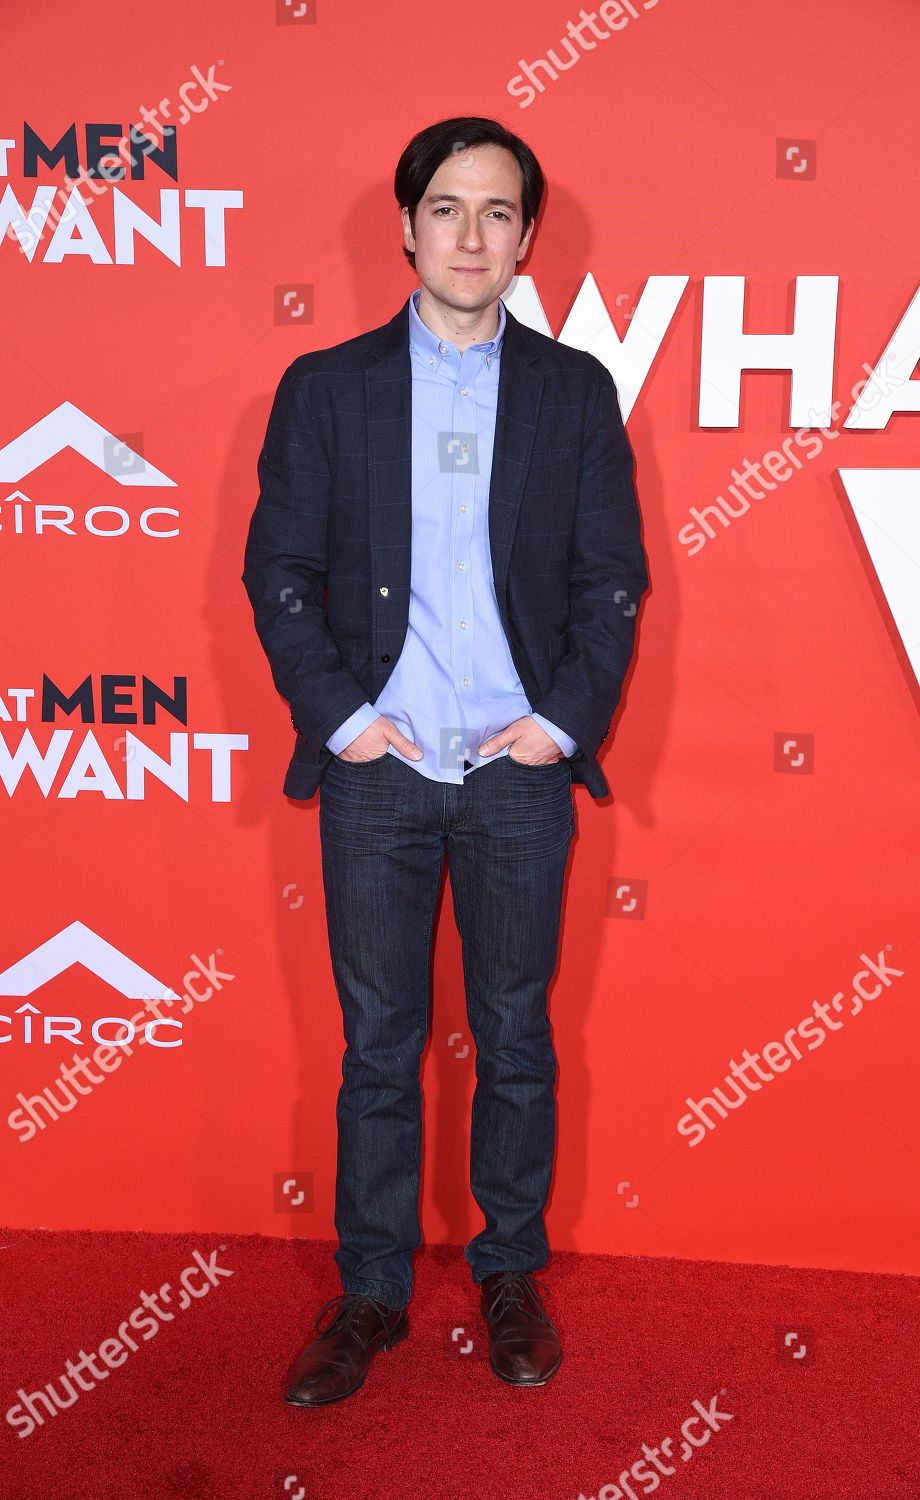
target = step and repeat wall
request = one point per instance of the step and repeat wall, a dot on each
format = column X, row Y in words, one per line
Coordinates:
column 191, row 203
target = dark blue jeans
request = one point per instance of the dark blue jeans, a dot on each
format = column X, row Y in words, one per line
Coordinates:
column 384, row 829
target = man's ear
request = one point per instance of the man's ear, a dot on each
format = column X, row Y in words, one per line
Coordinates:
column 408, row 236
column 525, row 242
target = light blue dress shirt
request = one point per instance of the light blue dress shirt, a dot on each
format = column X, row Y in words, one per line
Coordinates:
column 455, row 683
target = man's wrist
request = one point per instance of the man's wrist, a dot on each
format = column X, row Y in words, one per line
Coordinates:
column 566, row 744
column 354, row 725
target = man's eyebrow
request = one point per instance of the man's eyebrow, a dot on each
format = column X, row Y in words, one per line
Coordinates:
column 455, row 198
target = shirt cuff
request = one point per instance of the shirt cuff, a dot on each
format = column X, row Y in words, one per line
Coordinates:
column 566, row 744
column 354, row 725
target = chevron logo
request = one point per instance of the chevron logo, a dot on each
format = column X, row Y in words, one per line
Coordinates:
column 78, row 944
column 69, row 427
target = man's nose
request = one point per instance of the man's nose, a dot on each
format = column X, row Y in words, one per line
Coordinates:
column 471, row 237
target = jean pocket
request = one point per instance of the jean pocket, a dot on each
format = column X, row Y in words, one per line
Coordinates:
column 549, row 765
column 360, row 809
column 374, row 761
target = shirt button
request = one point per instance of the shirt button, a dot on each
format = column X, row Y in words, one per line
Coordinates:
column 384, row 592
column 463, row 625
column 466, row 682
column 463, row 510
column 460, row 567
column 464, row 391
column 443, row 348
column 431, row 361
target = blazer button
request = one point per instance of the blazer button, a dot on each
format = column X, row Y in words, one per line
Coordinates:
column 384, row 658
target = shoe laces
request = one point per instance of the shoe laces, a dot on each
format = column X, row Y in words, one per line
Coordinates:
column 345, row 1308
column 517, row 1290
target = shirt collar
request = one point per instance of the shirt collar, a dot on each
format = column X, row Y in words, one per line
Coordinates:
column 426, row 343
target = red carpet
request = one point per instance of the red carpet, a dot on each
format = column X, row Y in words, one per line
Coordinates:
column 195, row 1410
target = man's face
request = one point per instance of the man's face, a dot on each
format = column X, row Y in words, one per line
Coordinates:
column 468, row 223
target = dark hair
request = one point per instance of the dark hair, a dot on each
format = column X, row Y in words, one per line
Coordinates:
column 433, row 145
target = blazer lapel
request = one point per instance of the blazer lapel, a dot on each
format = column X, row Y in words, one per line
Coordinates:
column 388, row 396
column 520, row 388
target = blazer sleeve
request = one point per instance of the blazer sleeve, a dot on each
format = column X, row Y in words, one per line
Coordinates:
column 607, row 577
column 285, row 569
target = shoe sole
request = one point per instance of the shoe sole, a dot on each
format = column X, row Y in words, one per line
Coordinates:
column 396, row 1337
column 510, row 1381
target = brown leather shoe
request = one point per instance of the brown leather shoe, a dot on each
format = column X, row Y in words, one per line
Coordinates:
column 524, row 1346
column 335, row 1364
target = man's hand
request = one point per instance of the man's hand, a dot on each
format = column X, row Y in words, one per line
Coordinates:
column 534, row 746
column 372, row 742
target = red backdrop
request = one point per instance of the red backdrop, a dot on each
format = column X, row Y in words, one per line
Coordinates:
column 765, row 830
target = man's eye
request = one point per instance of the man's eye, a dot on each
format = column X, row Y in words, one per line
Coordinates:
column 445, row 208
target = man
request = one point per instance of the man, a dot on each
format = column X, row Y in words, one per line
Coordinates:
column 445, row 565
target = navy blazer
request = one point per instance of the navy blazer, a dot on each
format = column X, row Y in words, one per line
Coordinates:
column 327, row 563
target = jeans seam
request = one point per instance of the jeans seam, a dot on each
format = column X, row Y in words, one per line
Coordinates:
column 427, row 946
